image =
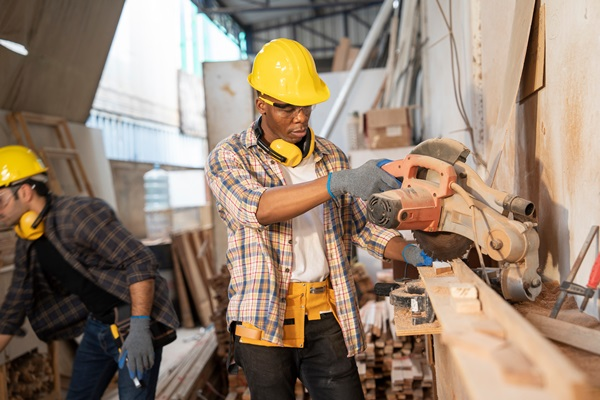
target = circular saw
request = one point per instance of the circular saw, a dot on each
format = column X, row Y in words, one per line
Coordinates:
column 449, row 208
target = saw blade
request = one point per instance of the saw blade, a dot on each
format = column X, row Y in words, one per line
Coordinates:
column 442, row 246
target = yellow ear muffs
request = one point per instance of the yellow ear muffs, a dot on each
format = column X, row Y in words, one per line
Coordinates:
column 29, row 228
column 288, row 154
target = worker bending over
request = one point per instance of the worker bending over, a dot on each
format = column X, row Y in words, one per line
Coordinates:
column 78, row 270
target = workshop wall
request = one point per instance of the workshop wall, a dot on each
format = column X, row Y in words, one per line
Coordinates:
column 545, row 143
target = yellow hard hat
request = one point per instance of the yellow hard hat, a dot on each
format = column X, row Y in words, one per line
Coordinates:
column 285, row 70
column 18, row 163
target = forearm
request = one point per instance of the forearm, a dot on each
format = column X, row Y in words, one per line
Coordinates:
column 283, row 203
column 394, row 248
column 4, row 340
column 142, row 297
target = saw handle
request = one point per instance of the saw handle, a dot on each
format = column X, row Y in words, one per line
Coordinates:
column 386, row 161
column 407, row 168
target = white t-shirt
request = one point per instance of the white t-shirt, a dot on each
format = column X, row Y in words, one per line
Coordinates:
column 310, row 263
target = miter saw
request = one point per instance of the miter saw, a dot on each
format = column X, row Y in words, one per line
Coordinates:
column 449, row 208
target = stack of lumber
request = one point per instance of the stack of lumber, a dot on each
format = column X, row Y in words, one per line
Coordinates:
column 197, row 371
column 238, row 386
column 392, row 367
column 192, row 269
column 363, row 282
column 220, row 284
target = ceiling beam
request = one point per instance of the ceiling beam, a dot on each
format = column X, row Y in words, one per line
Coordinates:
column 288, row 7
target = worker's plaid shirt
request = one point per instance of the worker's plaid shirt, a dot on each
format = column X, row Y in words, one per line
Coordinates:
column 86, row 232
column 260, row 257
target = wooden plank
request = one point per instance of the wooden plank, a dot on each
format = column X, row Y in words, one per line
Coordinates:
column 3, row 382
column 562, row 379
column 564, row 332
column 201, row 246
column 181, row 382
column 516, row 368
column 535, row 57
column 53, row 353
column 199, row 366
column 340, row 56
column 193, row 277
column 187, row 319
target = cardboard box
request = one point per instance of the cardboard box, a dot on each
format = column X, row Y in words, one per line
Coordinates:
column 388, row 127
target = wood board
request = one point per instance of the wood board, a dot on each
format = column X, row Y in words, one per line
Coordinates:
column 474, row 370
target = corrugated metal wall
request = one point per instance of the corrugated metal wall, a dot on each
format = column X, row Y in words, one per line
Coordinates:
column 127, row 139
column 319, row 34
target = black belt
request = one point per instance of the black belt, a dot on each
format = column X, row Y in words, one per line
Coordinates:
column 108, row 316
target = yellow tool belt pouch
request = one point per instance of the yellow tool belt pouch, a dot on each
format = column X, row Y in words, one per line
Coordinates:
column 304, row 299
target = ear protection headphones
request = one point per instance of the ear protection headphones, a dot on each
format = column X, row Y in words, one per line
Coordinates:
column 288, row 154
column 31, row 224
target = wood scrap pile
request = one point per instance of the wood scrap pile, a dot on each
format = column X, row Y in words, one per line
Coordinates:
column 29, row 377
column 197, row 371
column 238, row 386
column 220, row 285
column 192, row 269
column 364, row 284
column 392, row 367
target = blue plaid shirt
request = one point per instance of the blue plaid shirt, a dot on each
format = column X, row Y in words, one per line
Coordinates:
column 87, row 233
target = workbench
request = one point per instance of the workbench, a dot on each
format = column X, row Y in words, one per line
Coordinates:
column 491, row 352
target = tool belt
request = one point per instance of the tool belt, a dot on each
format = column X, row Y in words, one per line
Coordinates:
column 162, row 334
column 305, row 300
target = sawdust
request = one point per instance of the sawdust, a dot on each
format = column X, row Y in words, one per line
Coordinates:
column 587, row 362
column 405, row 327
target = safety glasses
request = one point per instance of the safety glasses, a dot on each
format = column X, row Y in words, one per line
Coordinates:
column 289, row 110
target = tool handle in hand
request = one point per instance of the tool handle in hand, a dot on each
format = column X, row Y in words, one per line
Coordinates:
column 595, row 274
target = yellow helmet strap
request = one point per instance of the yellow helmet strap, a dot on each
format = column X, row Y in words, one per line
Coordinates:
column 31, row 224
column 288, row 154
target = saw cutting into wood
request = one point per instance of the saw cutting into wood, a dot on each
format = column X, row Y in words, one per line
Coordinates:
column 449, row 208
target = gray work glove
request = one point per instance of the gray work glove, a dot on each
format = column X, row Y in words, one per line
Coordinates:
column 362, row 181
column 138, row 350
column 415, row 256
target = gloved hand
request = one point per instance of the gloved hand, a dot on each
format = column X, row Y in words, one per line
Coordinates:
column 138, row 350
column 415, row 256
column 362, row 181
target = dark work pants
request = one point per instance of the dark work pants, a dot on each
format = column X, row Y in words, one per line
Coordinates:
column 322, row 366
column 96, row 362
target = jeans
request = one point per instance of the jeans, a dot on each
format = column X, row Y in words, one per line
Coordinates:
column 96, row 363
column 322, row 365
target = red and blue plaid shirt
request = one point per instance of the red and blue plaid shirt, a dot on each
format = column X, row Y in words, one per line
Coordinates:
column 260, row 258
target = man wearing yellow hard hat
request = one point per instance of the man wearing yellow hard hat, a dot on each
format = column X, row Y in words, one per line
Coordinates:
column 293, row 209
column 78, row 270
